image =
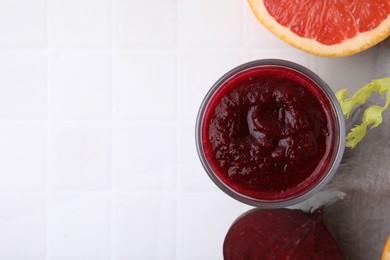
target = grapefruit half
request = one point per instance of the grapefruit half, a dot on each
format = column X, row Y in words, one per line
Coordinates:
column 330, row 28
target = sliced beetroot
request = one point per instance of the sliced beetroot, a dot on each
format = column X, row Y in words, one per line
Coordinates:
column 280, row 234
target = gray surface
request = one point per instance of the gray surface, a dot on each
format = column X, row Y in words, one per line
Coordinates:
column 361, row 221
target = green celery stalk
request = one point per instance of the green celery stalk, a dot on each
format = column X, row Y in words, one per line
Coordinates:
column 372, row 115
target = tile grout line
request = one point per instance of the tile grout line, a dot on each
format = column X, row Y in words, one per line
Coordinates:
column 243, row 26
column 161, row 122
column 113, row 134
column 245, row 33
column 48, row 128
column 48, row 152
column 178, row 134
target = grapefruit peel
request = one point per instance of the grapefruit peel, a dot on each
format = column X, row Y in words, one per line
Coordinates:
column 386, row 250
column 358, row 43
column 372, row 116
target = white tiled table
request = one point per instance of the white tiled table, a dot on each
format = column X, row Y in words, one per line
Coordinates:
column 98, row 100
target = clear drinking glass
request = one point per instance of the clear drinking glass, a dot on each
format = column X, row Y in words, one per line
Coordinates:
column 337, row 145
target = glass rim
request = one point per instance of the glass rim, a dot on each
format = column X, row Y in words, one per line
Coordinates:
column 339, row 121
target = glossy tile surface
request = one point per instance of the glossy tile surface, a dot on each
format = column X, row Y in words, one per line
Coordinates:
column 98, row 101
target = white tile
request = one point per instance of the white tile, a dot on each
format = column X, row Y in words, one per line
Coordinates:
column 203, row 223
column 290, row 55
column 197, row 73
column 22, row 86
column 259, row 37
column 215, row 24
column 79, row 226
column 151, row 25
column 246, row 208
column 80, row 156
column 145, row 157
column 146, row 85
column 22, row 153
column 81, row 24
column 349, row 72
column 81, row 86
column 192, row 177
column 22, row 228
column 144, row 227
column 23, row 24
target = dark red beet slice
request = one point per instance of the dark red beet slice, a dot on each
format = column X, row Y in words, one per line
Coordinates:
column 280, row 234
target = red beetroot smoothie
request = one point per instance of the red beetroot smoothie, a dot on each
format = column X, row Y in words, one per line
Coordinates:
column 268, row 133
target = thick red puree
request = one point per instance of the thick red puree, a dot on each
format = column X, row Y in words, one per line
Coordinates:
column 268, row 133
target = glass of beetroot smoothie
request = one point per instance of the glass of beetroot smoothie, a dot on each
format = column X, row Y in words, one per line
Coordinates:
column 270, row 133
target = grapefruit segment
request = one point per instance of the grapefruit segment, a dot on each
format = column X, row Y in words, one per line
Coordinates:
column 332, row 28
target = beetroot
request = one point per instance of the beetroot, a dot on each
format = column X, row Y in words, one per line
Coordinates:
column 280, row 234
